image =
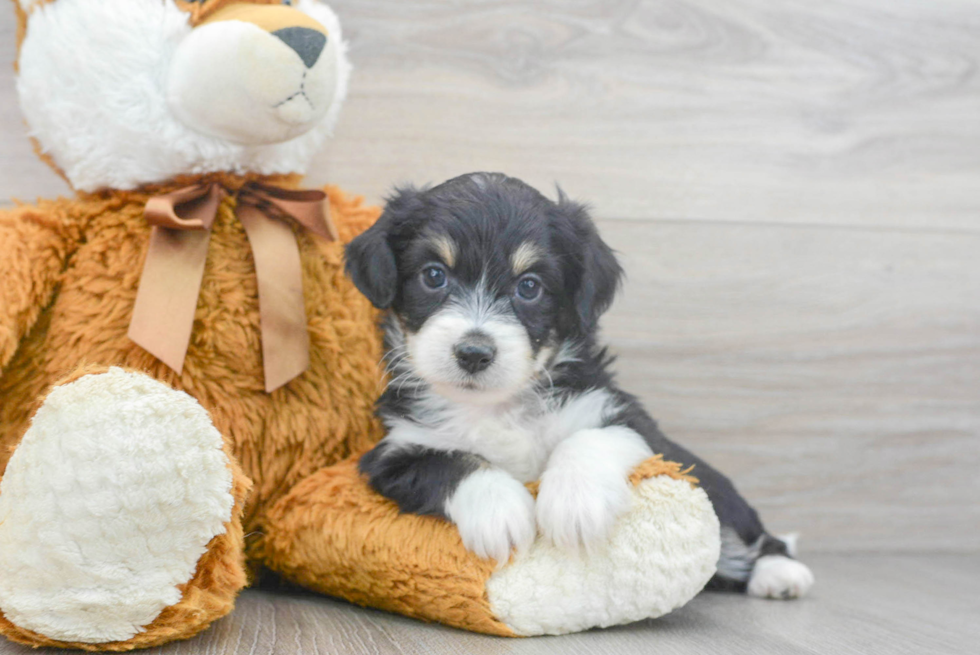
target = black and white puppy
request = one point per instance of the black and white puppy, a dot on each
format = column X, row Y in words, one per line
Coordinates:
column 495, row 293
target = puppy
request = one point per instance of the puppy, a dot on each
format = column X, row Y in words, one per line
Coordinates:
column 494, row 294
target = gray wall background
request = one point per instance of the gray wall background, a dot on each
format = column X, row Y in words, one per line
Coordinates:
column 794, row 188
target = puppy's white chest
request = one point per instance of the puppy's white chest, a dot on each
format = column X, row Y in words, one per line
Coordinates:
column 514, row 443
column 518, row 438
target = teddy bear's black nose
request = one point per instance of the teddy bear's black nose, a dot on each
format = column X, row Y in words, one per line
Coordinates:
column 307, row 43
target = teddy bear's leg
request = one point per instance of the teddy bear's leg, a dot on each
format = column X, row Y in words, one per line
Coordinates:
column 120, row 518
column 333, row 534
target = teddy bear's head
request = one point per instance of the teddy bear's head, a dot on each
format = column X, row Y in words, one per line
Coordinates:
column 119, row 93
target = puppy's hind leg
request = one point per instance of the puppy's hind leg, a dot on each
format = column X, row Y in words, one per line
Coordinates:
column 780, row 575
column 767, row 568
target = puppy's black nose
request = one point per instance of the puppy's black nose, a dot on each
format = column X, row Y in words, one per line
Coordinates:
column 307, row 43
column 473, row 354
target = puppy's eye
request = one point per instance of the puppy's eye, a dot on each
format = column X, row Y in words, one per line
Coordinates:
column 529, row 288
column 434, row 277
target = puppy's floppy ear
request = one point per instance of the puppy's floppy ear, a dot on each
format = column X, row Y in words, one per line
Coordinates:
column 599, row 272
column 370, row 261
column 370, row 264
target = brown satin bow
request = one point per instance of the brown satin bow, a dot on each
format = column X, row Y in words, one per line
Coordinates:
column 163, row 315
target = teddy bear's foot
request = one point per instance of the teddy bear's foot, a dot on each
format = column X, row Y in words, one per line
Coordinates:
column 333, row 534
column 119, row 518
column 660, row 554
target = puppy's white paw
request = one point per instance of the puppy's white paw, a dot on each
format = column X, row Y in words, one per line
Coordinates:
column 493, row 513
column 585, row 488
column 577, row 509
column 777, row 576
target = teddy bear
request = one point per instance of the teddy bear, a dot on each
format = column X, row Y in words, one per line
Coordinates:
column 187, row 377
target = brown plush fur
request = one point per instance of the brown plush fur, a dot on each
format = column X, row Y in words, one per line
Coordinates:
column 71, row 269
column 198, row 11
column 333, row 534
column 91, row 250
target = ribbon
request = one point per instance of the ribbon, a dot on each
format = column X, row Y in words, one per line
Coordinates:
column 163, row 315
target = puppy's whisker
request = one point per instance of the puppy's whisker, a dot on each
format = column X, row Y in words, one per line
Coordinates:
column 396, row 363
column 396, row 351
column 398, row 379
column 551, row 380
column 418, row 385
column 405, row 378
column 389, row 366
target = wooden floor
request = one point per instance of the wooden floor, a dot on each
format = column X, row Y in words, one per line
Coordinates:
column 862, row 605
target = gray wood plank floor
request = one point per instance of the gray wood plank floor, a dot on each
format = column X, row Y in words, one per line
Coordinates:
column 862, row 605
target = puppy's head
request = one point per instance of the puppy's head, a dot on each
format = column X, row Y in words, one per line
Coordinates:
column 488, row 280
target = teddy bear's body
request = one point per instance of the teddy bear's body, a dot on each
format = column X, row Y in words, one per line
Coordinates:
column 129, row 509
column 72, row 274
column 72, row 271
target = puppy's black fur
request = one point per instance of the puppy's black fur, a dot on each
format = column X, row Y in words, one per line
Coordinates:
column 489, row 216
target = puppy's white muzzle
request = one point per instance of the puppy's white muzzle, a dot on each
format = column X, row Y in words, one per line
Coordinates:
column 473, row 357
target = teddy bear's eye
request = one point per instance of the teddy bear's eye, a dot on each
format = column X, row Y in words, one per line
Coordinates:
column 288, row 3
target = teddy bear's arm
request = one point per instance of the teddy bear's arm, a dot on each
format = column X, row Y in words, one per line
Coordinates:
column 35, row 243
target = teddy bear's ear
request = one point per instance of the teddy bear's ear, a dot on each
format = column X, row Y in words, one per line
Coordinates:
column 370, row 259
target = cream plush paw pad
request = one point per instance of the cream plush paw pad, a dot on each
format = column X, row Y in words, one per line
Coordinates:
column 660, row 555
column 106, row 507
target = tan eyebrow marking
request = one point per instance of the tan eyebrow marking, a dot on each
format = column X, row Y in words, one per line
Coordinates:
column 445, row 248
column 524, row 257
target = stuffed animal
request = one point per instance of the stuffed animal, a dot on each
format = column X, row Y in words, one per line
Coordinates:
column 186, row 375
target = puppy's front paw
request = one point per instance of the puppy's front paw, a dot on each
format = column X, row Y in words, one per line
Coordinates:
column 778, row 576
column 576, row 509
column 493, row 513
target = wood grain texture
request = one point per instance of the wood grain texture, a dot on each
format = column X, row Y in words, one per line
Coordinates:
column 841, row 112
column 22, row 175
column 833, row 374
column 862, row 605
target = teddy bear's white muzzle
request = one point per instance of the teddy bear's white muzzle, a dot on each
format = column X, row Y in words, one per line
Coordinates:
column 236, row 81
